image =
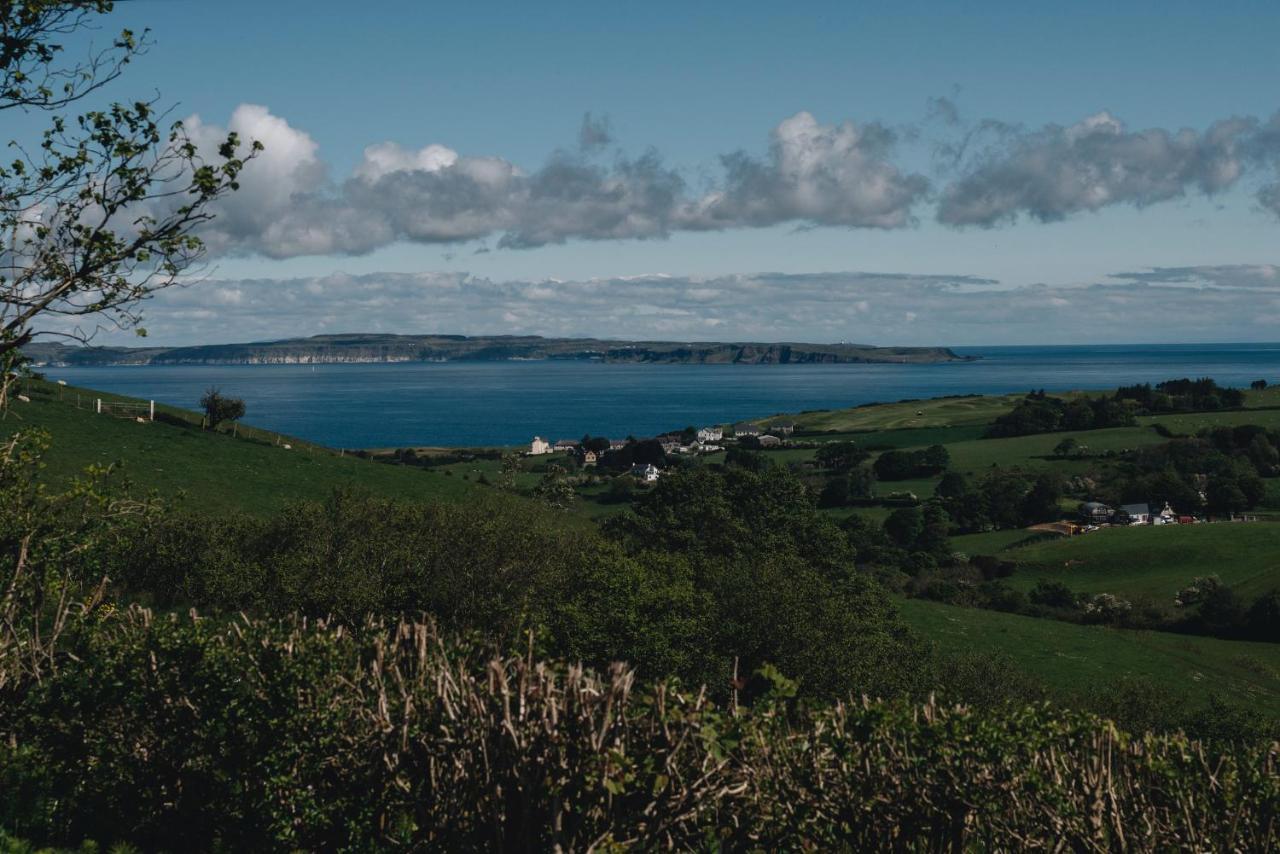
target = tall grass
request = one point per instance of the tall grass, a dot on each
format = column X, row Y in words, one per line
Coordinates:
column 182, row 732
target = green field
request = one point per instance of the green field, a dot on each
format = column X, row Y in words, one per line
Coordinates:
column 214, row 471
column 990, row 542
column 1156, row 561
column 1077, row 659
column 939, row 412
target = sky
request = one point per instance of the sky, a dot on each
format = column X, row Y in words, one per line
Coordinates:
column 888, row 173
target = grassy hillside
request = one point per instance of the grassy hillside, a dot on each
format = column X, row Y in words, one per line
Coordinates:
column 216, row 471
column 939, row 412
column 1156, row 561
column 1076, row 658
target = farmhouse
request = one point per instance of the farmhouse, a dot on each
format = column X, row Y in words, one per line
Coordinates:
column 710, row 434
column 648, row 472
column 782, row 428
column 745, row 428
column 770, row 442
column 566, row 445
column 587, row 457
column 1095, row 513
column 539, row 446
column 1137, row 514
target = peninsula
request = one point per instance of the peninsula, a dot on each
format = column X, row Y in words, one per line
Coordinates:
column 323, row 349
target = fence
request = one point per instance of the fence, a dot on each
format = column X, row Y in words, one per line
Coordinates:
column 126, row 410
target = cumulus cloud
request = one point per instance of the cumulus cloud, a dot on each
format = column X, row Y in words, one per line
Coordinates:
column 811, row 174
column 814, row 174
column 1178, row 304
column 1056, row 171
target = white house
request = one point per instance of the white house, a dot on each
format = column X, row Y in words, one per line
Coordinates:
column 1139, row 514
column 539, row 446
column 782, row 428
column 745, row 428
column 710, row 434
column 649, row 473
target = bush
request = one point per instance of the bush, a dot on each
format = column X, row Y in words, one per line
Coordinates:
column 182, row 734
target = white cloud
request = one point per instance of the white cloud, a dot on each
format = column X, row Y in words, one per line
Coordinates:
column 1051, row 173
column 812, row 174
column 1160, row 305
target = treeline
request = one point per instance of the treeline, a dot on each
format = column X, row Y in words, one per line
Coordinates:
column 1204, row 607
column 1039, row 412
column 1184, row 395
column 177, row 733
column 1219, row 471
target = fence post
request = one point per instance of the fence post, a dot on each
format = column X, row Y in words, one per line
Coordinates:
column 99, row 406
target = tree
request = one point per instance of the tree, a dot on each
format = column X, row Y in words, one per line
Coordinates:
column 841, row 456
column 219, row 408
column 904, row 526
column 508, row 470
column 1066, row 447
column 1041, row 502
column 555, row 488
column 1224, row 496
column 100, row 211
column 1258, row 385
column 935, row 459
column 835, row 492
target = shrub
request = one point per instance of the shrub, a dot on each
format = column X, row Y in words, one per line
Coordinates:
column 178, row 733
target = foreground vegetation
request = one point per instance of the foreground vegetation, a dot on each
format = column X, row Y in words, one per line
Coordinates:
column 266, row 735
column 350, row 682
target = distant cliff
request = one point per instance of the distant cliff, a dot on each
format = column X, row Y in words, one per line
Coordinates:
column 326, row 349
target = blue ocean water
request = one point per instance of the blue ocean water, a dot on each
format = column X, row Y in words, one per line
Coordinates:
column 491, row 403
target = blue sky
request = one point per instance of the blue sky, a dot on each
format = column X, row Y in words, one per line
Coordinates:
column 674, row 88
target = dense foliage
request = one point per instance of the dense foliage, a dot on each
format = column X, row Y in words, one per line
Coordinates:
column 1183, row 395
column 181, row 733
column 1040, row 413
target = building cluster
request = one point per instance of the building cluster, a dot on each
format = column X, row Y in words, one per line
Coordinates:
column 1097, row 514
column 707, row 440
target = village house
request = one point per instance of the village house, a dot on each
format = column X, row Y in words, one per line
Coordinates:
column 782, row 428
column 539, row 446
column 710, row 434
column 617, row 444
column 566, row 445
column 745, row 428
column 770, row 442
column 1095, row 513
column 587, row 457
column 1137, row 514
column 647, row 472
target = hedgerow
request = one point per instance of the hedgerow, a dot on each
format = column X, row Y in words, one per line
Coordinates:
column 187, row 733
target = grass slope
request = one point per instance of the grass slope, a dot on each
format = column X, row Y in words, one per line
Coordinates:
column 216, row 471
column 938, row 412
column 1156, row 561
column 1074, row 658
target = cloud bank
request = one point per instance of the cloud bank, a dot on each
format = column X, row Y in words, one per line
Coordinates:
column 1157, row 305
column 811, row 174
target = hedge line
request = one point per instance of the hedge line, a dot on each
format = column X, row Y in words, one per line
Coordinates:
column 188, row 733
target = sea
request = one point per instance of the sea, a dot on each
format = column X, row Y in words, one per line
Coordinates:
column 508, row 403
